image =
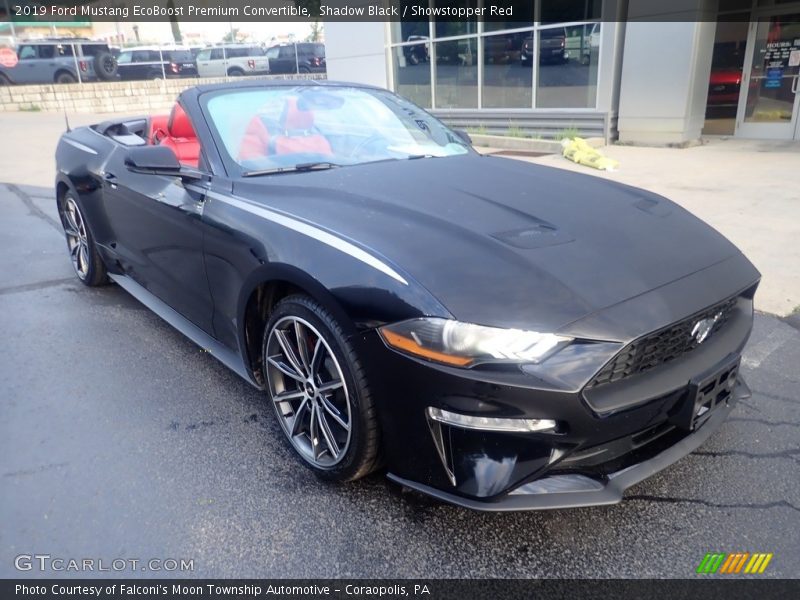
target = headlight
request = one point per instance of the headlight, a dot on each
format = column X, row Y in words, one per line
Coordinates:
column 464, row 344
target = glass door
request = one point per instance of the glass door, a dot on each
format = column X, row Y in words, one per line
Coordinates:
column 769, row 101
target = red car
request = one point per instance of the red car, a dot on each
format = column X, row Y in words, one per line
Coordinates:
column 723, row 87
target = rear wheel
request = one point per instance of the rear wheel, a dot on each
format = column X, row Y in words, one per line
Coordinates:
column 85, row 258
column 64, row 77
column 319, row 391
column 235, row 72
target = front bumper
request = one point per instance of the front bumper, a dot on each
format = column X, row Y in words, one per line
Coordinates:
column 607, row 439
column 573, row 490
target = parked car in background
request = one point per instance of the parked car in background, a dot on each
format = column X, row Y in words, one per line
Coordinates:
column 233, row 60
column 305, row 57
column 60, row 60
column 419, row 53
column 552, row 47
column 152, row 62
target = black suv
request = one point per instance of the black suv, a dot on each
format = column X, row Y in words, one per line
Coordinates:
column 152, row 62
column 306, row 57
column 60, row 60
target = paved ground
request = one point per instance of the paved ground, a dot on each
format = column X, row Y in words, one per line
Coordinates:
column 121, row 439
column 747, row 189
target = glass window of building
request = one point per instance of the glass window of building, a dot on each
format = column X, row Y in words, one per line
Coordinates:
column 412, row 72
column 568, row 61
column 456, row 73
column 449, row 27
column 508, row 70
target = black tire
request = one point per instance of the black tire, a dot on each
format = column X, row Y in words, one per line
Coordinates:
column 235, row 72
column 88, row 266
column 304, row 70
column 105, row 66
column 361, row 455
column 4, row 80
column 64, row 77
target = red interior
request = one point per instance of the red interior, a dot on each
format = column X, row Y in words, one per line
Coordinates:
column 297, row 136
column 176, row 132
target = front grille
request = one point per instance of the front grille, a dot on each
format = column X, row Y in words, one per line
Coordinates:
column 661, row 346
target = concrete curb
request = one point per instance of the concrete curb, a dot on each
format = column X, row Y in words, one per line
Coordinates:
column 504, row 142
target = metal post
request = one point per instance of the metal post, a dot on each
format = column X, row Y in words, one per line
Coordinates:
column 75, row 59
column 296, row 60
column 10, row 22
column 161, row 58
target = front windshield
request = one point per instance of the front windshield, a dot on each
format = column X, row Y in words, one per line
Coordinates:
column 283, row 127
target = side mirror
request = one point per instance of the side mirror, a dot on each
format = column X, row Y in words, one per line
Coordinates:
column 152, row 158
column 158, row 160
column 464, row 136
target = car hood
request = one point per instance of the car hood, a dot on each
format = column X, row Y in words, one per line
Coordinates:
column 503, row 242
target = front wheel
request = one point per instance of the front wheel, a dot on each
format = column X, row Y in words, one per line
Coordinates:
column 65, row 77
column 85, row 258
column 319, row 390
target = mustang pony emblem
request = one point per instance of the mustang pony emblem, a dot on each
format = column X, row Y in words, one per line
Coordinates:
column 703, row 327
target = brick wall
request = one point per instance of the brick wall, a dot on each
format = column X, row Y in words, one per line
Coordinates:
column 120, row 96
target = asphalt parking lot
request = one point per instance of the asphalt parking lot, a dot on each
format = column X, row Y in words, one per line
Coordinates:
column 119, row 438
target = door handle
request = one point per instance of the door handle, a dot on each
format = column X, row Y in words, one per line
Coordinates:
column 111, row 179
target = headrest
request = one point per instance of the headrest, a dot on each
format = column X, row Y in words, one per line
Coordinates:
column 295, row 118
column 179, row 125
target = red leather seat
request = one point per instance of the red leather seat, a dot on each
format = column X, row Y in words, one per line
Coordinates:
column 297, row 136
column 181, row 137
column 255, row 143
column 158, row 129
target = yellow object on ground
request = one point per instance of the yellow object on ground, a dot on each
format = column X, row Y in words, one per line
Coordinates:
column 579, row 151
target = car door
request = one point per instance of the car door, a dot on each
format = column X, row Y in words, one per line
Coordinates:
column 27, row 69
column 205, row 67
column 157, row 230
column 281, row 59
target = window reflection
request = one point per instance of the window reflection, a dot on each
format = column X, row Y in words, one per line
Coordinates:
column 457, row 73
column 412, row 73
column 507, row 73
column 568, row 59
column 452, row 26
column 403, row 31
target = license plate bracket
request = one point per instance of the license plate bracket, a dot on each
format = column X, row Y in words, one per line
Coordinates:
column 708, row 392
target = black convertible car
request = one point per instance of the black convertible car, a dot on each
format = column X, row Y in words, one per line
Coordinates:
column 496, row 334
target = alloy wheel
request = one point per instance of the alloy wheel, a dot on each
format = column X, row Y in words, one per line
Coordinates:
column 77, row 240
column 309, row 392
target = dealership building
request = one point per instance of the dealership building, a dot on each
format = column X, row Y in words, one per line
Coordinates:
column 643, row 71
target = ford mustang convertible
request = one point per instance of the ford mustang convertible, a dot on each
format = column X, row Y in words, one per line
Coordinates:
column 497, row 334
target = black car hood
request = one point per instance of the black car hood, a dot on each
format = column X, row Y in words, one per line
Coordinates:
column 503, row 242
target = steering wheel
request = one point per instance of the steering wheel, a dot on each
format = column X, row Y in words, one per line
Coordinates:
column 361, row 146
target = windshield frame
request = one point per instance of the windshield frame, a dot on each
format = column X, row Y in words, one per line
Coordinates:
column 235, row 170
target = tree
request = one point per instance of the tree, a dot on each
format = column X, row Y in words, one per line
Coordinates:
column 316, row 32
column 231, row 36
column 173, row 22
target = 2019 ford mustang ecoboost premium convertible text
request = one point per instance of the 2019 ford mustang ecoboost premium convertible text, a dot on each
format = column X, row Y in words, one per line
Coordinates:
column 496, row 334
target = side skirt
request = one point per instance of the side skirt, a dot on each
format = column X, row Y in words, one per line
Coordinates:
column 226, row 356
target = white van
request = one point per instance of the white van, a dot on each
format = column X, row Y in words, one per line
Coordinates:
column 233, row 60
